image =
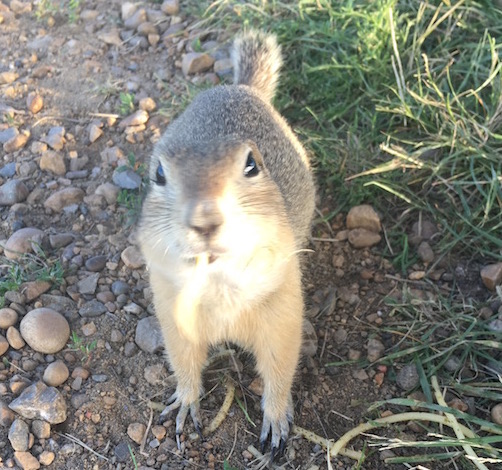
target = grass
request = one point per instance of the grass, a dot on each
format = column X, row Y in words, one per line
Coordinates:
column 400, row 104
column 30, row 267
column 84, row 347
column 45, row 9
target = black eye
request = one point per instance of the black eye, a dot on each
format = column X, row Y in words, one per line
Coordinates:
column 251, row 169
column 160, row 176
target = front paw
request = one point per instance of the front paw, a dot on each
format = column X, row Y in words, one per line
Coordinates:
column 278, row 430
column 176, row 403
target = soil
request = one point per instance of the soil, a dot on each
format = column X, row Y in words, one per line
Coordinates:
column 80, row 78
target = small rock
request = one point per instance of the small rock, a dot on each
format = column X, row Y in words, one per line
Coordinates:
column 223, row 66
column 19, row 435
column 4, row 345
column 354, row 354
column 34, row 289
column 154, row 374
column 147, row 104
column 360, row 374
column 375, row 349
column 497, row 414
column 153, row 39
column 196, row 62
column 135, row 19
column 12, row 192
column 425, row 252
column 135, row 119
column 6, row 135
column 159, row 432
column 91, row 309
column 89, row 329
column 7, row 78
column 136, row 431
column 80, row 372
column 34, row 102
column 53, row 162
column 362, row 238
column 491, row 275
column 495, row 325
column 6, row 415
column 120, row 287
column 59, row 240
column 23, row 241
column 45, row 330
column 364, row 216
column 309, row 344
column 126, row 178
column 132, row 258
column 56, row 374
column 46, row 457
column 63, row 198
column 41, row 429
column 416, row 275
column 341, row 335
column 111, row 37
column 8, row 170
column 89, row 284
column 95, row 264
column 407, row 378
column 26, row 461
column 116, row 336
column 127, row 9
column 14, row 338
column 55, row 138
column 148, row 335
column 89, row 15
column 40, row 402
column 94, row 133
column 122, row 452
column 8, row 318
column 147, row 28
column 424, row 230
column 170, row 7
column 17, row 142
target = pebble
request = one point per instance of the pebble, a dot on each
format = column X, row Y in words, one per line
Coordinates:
column 4, row 345
column 375, row 349
column 53, row 161
column 491, row 275
column 89, row 329
column 14, row 338
column 89, row 284
column 362, row 238
column 425, row 252
column 126, row 178
column 310, row 341
column 407, row 378
column 122, row 452
column 63, row 198
column 7, row 78
column 26, row 461
column 92, row 309
column 127, row 9
column 159, row 431
column 94, row 133
column 45, row 330
column 116, row 336
column 424, row 230
column 41, row 429
column 360, row 374
column 56, row 374
column 80, row 372
column 132, row 258
column 363, row 216
column 111, row 37
column 40, row 402
column 46, row 457
column 147, row 104
column 147, row 28
column 109, row 191
column 155, row 373
column 34, row 289
column 8, row 318
column 136, row 431
column 135, row 119
column 120, row 287
column 6, row 415
column 148, row 335
column 19, row 435
column 23, row 241
column 223, row 66
column 8, row 170
column 196, row 62
column 12, row 192
column 60, row 240
column 96, row 263
column 138, row 17
column 55, row 138
column 34, row 102
column 497, row 414
column 170, row 7
column 8, row 134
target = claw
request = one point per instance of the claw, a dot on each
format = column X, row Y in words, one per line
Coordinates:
column 278, row 432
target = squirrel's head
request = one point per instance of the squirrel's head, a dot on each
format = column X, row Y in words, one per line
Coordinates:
column 215, row 199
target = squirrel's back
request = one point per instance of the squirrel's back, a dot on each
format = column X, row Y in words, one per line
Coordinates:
column 243, row 110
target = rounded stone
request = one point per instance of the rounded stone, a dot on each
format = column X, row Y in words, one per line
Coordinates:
column 14, row 338
column 45, row 330
column 497, row 414
column 56, row 374
column 22, row 241
column 136, row 432
column 407, row 378
column 8, row 318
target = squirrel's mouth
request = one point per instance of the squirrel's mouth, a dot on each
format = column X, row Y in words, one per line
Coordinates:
column 206, row 258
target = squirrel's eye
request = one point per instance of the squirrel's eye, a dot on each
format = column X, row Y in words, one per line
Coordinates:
column 160, row 176
column 251, row 168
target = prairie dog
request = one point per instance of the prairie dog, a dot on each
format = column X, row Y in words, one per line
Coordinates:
column 229, row 206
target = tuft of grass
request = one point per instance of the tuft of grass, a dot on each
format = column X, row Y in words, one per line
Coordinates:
column 49, row 8
column 84, row 347
column 126, row 103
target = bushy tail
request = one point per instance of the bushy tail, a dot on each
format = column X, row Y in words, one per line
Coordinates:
column 257, row 60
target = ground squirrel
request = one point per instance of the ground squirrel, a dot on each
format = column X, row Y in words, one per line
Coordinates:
column 229, row 207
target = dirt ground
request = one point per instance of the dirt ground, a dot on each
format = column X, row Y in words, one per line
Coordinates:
column 79, row 70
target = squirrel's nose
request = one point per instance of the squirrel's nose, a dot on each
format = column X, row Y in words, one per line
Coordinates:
column 204, row 217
